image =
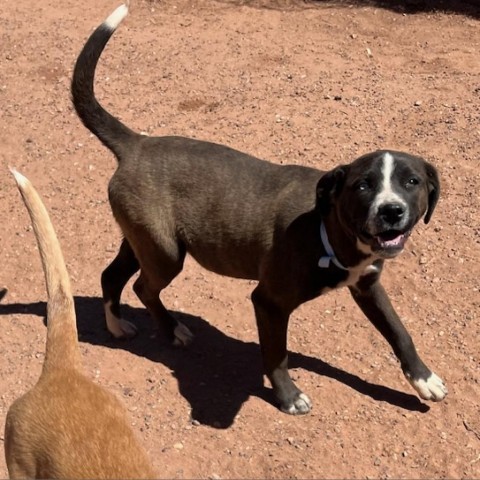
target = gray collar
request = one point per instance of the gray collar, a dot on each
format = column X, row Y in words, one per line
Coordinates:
column 330, row 257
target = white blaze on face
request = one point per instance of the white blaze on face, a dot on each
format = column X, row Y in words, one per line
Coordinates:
column 386, row 194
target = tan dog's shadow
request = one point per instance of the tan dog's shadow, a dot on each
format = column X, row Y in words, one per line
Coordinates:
column 217, row 373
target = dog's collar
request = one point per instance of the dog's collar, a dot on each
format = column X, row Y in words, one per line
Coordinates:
column 330, row 257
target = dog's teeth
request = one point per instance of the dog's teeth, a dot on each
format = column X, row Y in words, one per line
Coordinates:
column 393, row 242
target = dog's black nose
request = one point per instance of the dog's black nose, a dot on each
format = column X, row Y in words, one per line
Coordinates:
column 391, row 213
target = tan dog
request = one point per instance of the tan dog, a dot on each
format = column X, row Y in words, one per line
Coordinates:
column 66, row 426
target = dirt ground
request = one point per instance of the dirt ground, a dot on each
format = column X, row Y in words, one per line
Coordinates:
column 304, row 83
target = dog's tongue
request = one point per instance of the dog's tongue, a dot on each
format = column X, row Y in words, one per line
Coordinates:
column 397, row 241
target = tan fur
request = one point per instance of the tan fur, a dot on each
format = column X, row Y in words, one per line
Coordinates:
column 66, row 426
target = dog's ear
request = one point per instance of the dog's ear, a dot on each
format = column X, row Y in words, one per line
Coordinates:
column 433, row 183
column 328, row 187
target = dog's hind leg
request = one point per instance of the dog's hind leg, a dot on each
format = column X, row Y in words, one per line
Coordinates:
column 160, row 262
column 114, row 279
column 148, row 291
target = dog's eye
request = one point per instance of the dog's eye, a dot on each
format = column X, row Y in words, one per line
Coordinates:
column 362, row 186
column 412, row 182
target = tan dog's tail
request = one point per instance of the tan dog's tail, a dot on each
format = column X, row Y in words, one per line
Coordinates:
column 111, row 132
column 62, row 344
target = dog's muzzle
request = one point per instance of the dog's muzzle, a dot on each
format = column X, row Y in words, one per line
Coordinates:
column 388, row 229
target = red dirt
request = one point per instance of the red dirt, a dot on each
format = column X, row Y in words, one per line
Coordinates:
column 295, row 83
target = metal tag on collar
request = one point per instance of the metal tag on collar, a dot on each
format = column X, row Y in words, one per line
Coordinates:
column 330, row 257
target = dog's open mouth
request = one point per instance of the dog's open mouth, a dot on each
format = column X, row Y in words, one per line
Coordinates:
column 391, row 239
column 388, row 242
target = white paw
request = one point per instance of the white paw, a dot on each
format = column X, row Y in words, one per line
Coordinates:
column 119, row 327
column 432, row 388
column 300, row 406
column 183, row 336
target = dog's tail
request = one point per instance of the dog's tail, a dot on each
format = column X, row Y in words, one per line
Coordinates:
column 62, row 345
column 111, row 132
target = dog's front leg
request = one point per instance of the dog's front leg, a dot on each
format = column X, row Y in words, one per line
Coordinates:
column 375, row 304
column 272, row 323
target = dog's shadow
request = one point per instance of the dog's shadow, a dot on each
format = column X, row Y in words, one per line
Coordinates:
column 217, row 373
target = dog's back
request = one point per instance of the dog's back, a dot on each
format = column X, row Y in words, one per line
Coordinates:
column 66, row 426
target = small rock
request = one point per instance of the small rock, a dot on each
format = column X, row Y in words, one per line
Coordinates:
column 417, row 103
column 178, row 446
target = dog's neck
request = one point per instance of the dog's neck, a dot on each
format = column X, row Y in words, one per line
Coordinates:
column 329, row 256
column 340, row 250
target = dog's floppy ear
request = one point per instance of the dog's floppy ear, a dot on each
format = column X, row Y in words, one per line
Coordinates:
column 433, row 182
column 328, row 187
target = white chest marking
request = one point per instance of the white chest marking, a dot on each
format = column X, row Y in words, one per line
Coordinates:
column 355, row 273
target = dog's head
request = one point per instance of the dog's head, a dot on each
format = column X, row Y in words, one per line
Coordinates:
column 379, row 198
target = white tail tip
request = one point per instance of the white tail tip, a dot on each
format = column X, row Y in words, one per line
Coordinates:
column 19, row 178
column 116, row 17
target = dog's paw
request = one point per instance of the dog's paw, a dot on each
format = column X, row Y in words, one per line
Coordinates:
column 432, row 388
column 300, row 405
column 119, row 327
column 182, row 336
